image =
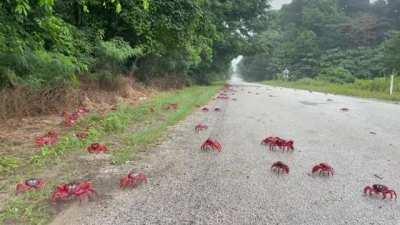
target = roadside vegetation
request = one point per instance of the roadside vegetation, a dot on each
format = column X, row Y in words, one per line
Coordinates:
column 126, row 131
column 51, row 48
column 339, row 46
column 377, row 88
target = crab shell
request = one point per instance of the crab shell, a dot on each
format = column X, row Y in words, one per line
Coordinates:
column 200, row 127
column 132, row 180
column 62, row 193
column 269, row 140
column 210, row 144
column 97, row 148
column 71, row 119
column 289, row 145
column 50, row 138
column 28, row 185
column 65, row 192
column 380, row 189
column 82, row 135
column 323, row 169
column 273, row 142
column 280, row 167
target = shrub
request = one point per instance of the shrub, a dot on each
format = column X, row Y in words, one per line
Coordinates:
column 39, row 68
column 363, row 63
column 377, row 84
column 113, row 54
column 336, row 75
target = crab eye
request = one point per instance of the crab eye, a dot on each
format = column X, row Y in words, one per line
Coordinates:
column 72, row 187
column 32, row 182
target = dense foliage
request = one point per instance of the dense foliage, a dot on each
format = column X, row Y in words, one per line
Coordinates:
column 51, row 42
column 333, row 40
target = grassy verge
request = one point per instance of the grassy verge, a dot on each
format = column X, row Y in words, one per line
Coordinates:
column 378, row 88
column 128, row 130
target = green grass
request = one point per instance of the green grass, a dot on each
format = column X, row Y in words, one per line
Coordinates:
column 8, row 164
column 377, row 88
column 187, row 100
column 151, row 120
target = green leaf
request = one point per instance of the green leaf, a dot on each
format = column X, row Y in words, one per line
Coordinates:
column 146, row 4
column 118, row 8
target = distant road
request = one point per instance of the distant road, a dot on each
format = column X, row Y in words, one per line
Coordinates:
column 188, row 186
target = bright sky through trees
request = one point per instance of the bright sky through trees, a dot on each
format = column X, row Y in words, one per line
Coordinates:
column 277, row 4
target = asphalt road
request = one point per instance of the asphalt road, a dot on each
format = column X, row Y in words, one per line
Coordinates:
column 188, row 186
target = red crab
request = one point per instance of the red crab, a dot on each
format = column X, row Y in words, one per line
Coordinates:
column 205, row 109
column 200, row 127
column 31, row 184
column 323, row 169
column 380, row 189
column 171, row 106
column 223, row 97
column 280, row 167
column 82, row 191
column 132, row 180
column 50, row 138
column 211, row 144
column 288, row 145
column 97, row 148
column 273, row 142
column 82, row 135
column 82, row 111
column 71, row 119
